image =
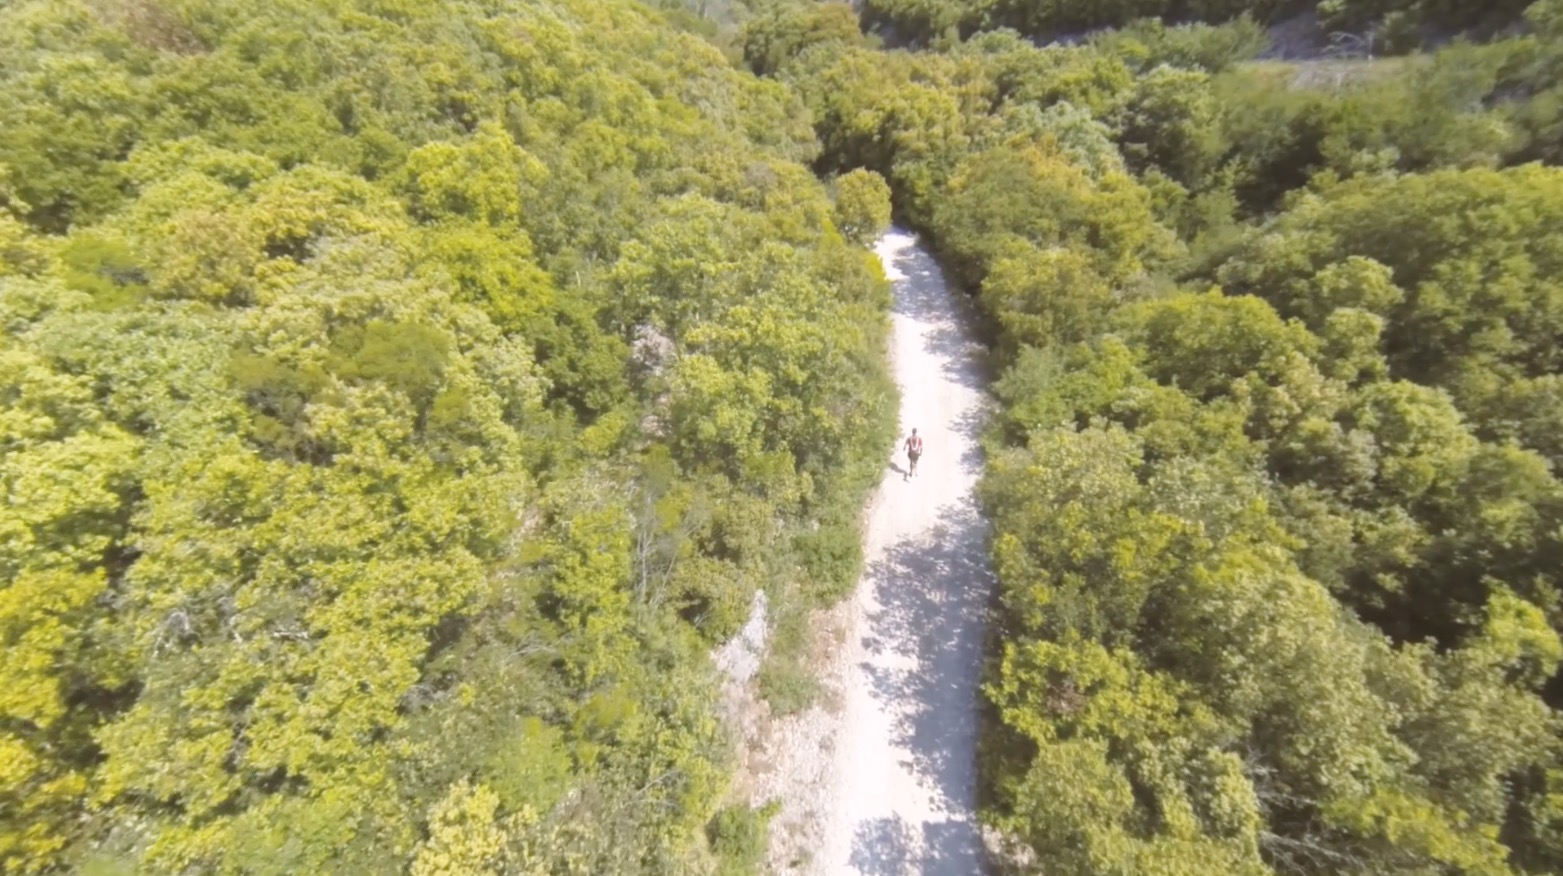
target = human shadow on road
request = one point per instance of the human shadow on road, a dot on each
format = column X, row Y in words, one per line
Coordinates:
column 922, row 296
column 933, row 591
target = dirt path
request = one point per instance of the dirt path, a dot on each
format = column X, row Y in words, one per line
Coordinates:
column 883, row 782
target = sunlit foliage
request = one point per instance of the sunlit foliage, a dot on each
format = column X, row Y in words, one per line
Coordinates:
column 397, row 401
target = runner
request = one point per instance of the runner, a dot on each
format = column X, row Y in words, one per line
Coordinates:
column 914, row 449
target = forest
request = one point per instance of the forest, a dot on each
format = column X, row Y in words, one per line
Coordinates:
column 399, row 399
column 1400, row 25
column 1274, row 475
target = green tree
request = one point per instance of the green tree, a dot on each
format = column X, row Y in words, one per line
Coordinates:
column 862, row 205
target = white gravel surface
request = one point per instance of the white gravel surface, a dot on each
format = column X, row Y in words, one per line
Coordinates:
column 881, row 780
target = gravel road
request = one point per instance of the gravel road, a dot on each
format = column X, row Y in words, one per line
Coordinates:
column 880, row 779
column 903, row 766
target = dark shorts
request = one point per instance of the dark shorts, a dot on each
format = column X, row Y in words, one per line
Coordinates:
column 914, row 454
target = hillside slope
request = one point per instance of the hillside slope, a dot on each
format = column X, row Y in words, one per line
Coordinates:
column 398, row 401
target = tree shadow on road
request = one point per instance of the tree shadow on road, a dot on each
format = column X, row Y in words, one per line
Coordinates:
column 882, row 847
column 924, row 296
column 970, row 425
column 891, row 847
column 933, row 592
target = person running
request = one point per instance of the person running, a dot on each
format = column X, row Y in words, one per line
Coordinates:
column 914, row 449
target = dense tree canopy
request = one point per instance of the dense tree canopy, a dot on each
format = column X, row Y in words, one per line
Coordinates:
column 922, row 19
column 1273, row 475
column 397, row 401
